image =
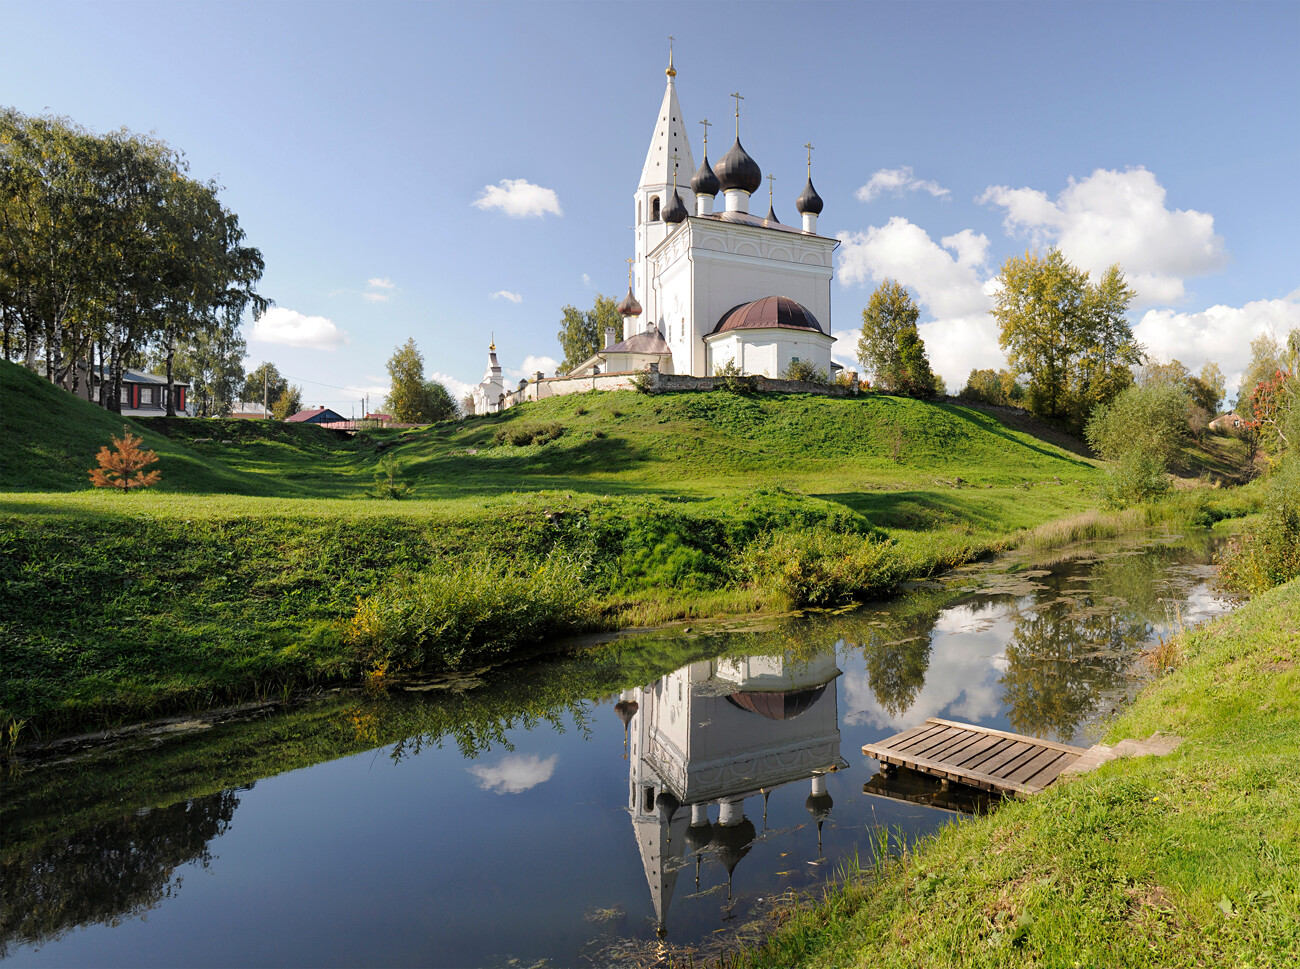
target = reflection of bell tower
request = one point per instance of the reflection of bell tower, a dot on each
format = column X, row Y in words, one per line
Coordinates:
column 710, row 735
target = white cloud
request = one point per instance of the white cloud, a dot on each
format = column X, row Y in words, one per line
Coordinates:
column 896, row 181
column 949, row 284
column 586, row 280
column 506, row 294
column 1220, row 333
column 1114, row 216
column 532, row 364
column 519, row 199
column 515, row 773
column 966, row 661
column 377, row 289
column 457, row 388
column 293, row 329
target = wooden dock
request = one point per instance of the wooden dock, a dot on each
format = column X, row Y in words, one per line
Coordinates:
column 979, row 756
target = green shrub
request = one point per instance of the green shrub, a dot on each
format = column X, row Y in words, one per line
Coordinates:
column 1138, row 477
column 807, row 371
column 527, row 434
column 820, row 567
column 482, row 609
column 1267, row 553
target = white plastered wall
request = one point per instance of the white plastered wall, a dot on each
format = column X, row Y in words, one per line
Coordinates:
column 706, row 268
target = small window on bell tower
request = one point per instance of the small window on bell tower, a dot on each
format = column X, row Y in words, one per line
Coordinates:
column 654, row 208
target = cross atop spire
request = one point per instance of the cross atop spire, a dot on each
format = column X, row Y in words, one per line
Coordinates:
column 770, row 180
column 739, row 97
column 671, row 71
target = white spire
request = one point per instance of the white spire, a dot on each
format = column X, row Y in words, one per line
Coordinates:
column 669, row 136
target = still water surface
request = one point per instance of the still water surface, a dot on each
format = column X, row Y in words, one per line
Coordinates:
column 553, row 828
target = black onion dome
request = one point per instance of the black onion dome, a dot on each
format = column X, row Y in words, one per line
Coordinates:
column 809, row 202
column 738, row 170
column 629, row 307
column 675, row 210
column 705, row 182
column 666, row 805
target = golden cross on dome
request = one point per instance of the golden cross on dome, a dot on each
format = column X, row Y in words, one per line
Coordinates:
column 629, row 271
column 770, row 179
column 809, row 146
column 739, row 97
column 707, row 125
column 672, row 71
column 674, row 156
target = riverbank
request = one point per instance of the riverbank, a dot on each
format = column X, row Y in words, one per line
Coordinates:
column 1187, row 860
column 116, row 609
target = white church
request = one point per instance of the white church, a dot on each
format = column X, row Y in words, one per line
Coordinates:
column 712, row 283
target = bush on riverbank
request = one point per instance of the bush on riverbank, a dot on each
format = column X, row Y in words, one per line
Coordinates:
column 478, row 612
column 1267, row 553
column 820, row 567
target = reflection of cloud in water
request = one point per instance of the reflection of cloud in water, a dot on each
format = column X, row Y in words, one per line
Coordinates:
column 515, row 773
column 966, row 659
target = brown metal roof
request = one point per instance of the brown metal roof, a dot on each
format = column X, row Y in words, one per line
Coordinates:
column 647, row 342
column 770, row 311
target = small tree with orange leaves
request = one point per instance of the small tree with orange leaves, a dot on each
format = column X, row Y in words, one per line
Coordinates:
column 123, row 468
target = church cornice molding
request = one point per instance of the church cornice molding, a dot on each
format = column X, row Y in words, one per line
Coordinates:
column 695, row 223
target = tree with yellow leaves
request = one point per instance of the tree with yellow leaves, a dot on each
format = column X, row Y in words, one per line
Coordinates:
column 123, row 468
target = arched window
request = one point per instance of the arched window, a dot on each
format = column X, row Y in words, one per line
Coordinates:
column 654, row 208
column 638, row 212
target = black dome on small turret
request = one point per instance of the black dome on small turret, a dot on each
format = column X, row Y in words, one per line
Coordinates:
column 738, row 170
column 809, row 202
column 771, row 213
column 675, row 211
column 705, row 182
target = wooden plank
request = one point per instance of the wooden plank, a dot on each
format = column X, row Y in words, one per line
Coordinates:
column 979, row 752
column 1051, row 771
column 976, row 756
column 949, row 752
column 934, row 741
column 1010, row 736
column 1007, row 760
column 899, row 739
column 910, row 738
column 1029, row 768
column 976, row 778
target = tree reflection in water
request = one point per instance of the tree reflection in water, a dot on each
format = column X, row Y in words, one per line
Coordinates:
column 1060, row 664
column 114, row 871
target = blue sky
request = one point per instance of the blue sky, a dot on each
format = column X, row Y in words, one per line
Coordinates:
column 353, row 141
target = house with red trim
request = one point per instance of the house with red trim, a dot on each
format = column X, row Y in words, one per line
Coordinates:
column 316, row 415
column 144, row 394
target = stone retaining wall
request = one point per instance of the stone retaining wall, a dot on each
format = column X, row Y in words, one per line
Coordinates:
column 654, row 382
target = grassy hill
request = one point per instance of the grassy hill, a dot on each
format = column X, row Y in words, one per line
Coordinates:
column 260, row 562
column 48, row 440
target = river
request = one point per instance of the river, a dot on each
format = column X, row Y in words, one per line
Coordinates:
column 654, row 796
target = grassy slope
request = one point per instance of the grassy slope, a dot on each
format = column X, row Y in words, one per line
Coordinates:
column 49, row 439
column 1187, row 860
column 233, row 576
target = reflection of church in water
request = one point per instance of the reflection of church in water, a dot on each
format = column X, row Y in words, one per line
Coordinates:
column 710, row 735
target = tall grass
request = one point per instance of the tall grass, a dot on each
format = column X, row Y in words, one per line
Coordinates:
column 819, row 567
column 483, row 610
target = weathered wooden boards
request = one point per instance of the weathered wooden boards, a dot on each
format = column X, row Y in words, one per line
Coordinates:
column 979, row 756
